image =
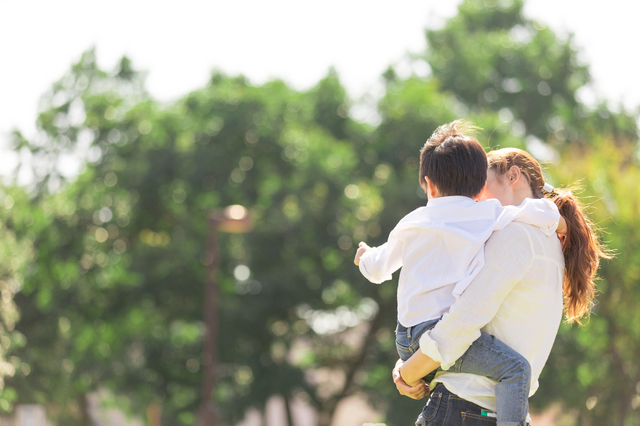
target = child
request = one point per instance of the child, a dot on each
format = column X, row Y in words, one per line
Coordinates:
column 440, row 248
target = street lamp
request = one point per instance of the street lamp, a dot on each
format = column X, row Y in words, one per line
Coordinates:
column 233, row 219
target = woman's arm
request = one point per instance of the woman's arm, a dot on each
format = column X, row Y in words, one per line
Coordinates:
column 418, row 391
column 508, row 254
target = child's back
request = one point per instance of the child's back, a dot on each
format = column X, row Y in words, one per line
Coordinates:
column 440, row 248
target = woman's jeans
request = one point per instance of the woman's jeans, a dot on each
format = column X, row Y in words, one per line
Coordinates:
column 487, row 357
column 447, row 409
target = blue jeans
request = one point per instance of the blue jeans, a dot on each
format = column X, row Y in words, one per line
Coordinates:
column 447, row 409
column 487, row 357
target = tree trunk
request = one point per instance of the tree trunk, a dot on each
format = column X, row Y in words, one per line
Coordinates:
column 325, row 415
column 623, row 381
column 287, row 407
column 154, row 414
column 85, row 415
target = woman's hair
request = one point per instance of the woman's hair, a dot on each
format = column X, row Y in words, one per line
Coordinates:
column 582, row 247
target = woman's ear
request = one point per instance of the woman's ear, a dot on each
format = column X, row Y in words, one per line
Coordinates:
column 513, row 175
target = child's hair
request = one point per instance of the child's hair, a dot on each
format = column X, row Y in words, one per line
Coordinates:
column 582, row 248
column 454, row 162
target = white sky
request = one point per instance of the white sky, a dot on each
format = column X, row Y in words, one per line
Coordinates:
column 180, row 43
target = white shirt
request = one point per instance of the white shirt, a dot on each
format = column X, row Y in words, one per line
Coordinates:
column 517, row 297
column 440, row 248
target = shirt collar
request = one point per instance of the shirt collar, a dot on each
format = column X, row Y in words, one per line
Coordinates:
column 440, row 202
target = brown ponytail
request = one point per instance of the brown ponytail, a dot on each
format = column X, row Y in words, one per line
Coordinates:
column 581, row 247
column 582, row 252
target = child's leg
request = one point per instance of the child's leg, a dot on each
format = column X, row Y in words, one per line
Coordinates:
column 408, row 338
column 408, row 342
column 491, row 358
column 403, row 342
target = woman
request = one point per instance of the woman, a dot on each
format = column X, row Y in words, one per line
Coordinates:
column 518, row 297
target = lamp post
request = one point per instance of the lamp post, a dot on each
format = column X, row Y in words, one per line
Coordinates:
column 233, row 219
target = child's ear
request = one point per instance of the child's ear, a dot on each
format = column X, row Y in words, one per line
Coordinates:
column 480, row 195
column 432, row 189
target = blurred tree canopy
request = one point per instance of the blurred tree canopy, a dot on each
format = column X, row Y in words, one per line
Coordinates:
column 107, row 267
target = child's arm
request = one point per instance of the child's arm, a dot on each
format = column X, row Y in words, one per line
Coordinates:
column 378, row 263
column 539, row 212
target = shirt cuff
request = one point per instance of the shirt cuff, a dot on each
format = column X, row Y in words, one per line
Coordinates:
column 551, row 228
column 429, row 347
column 363, row 270
column 366, row 273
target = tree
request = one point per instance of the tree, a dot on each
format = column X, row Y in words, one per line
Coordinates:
column 592, row 368
column 16, row 265
column 122, row 248
column 492, row 57
column 113, row 298
column 517, row 80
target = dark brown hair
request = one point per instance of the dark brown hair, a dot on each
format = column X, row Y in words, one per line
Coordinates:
column 581, row 247
column 454, row 162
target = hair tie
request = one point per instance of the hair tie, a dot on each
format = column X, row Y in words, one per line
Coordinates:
column 547, row 188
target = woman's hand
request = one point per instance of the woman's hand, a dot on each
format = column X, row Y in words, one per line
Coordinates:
column 416, row 367
column 418, row 391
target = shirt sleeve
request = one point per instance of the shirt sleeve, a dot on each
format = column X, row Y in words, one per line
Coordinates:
column 378, row 264
column 539, row 212
column 508, row 255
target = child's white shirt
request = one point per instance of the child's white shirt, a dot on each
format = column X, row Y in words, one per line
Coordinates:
column 440, row 248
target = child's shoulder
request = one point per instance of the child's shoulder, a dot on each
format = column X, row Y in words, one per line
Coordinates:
column 490, row 206
column 492, row 202
column 417, row 214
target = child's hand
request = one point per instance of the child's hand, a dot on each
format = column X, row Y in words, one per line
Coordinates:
column 562, row 226
column 362, row 249
column 562, row 230
column 419, row 391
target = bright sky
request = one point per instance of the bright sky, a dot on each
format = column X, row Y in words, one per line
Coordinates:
column 180, row 43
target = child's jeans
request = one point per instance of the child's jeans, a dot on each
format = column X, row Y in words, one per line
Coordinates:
column 487, row 357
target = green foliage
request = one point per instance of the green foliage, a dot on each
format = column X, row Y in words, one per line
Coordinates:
column 108, row 267
column 491, row 57
column 597, row 359
column 116, row 300
column 16, row 264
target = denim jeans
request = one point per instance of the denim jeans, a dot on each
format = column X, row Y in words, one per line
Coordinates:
column 487, row 357
column 447, row 409
column 408, row 341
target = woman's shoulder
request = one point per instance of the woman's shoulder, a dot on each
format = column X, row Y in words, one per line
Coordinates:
column 513, row 230
column 523, row 239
